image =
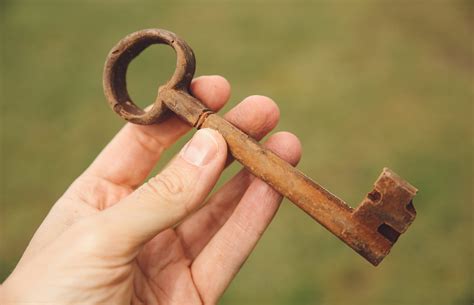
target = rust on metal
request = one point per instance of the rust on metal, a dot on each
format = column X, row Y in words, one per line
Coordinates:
column 371, row 229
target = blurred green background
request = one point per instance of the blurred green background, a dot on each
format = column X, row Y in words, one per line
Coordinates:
column 364, row 84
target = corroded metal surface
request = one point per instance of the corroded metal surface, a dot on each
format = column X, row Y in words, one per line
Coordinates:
column 371, row 229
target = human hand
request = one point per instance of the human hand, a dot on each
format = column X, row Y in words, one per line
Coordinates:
column 111, row 239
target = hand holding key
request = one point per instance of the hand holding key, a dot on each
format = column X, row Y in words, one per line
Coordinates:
column 371, row 229
column 113, row 239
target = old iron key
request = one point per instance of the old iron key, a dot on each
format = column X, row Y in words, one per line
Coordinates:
column 371, row 229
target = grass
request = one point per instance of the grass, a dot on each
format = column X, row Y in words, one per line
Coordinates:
column 363, row 84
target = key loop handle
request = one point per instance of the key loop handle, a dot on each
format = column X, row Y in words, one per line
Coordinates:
column 115, row 70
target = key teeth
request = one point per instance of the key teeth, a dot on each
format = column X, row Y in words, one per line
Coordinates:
column 388, row 209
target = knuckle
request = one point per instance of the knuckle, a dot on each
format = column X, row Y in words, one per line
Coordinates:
column 88, row 235
column 148, row 142
column 167, row 185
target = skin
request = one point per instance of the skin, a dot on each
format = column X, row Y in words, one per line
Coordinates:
column 113, row 238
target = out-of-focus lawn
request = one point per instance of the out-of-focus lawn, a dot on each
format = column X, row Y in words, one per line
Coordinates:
column 364, row 84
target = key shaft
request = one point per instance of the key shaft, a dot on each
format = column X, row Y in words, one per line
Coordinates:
column 330, row 211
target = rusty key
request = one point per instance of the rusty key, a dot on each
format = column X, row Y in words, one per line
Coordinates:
column 371, row 229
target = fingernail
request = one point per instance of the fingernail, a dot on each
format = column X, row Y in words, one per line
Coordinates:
column 202, row 148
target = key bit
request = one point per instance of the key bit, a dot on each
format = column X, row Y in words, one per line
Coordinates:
column 371, row 229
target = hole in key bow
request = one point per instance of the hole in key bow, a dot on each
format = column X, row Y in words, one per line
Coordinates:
column 144, row 75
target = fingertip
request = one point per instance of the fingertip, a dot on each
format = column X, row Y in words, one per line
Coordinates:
column 213, row 90
column 267, row 107
column 257, row 114
column 286, row 145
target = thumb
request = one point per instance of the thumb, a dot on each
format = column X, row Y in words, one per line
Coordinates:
column 168, row 197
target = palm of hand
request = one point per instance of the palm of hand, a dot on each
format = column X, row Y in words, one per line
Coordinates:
column 161, row 273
